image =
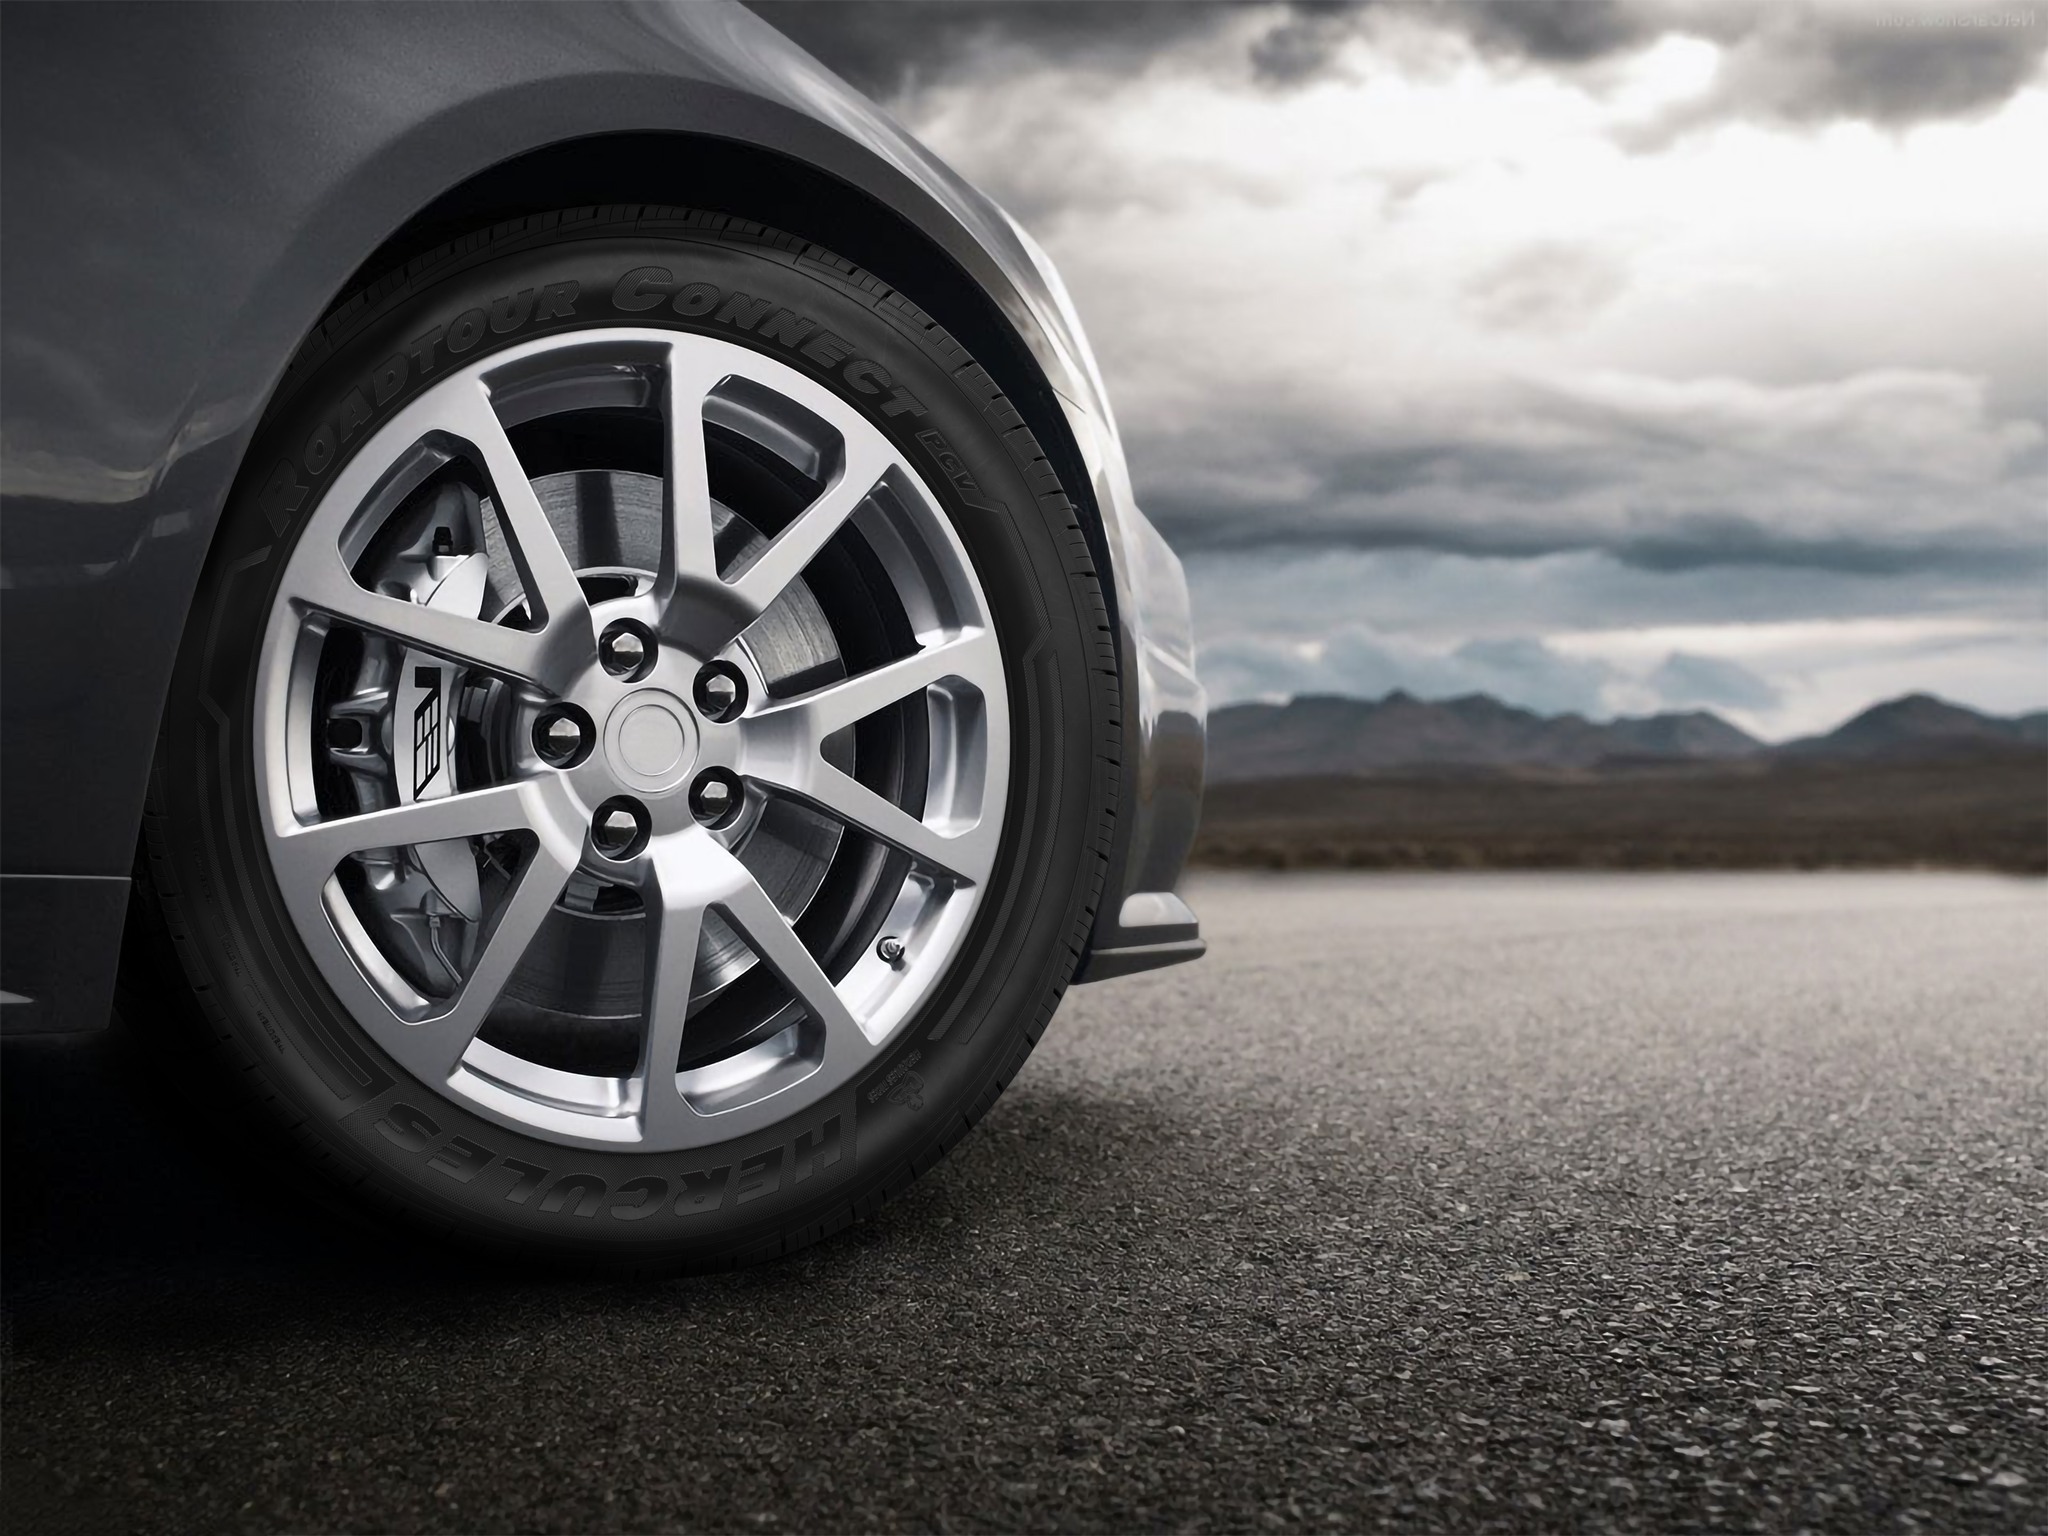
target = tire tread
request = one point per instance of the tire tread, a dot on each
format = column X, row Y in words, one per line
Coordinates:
column 166, row 924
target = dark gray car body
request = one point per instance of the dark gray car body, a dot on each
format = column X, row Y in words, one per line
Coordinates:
column 187, row 188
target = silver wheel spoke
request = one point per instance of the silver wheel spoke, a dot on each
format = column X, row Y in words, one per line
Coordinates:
column 965, row 856
column 561, row 640
column 812, row 529
column 681, row 883
column 768, row 933
column 473, row 642
column 794, row 731
column 688, row 875
column 438, row 1043
column 688, row 557
column 310, row 853
column 972, row 656
column 544, row 570
column 706, row 612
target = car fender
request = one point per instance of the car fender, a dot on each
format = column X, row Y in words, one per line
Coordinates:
column 188, row 189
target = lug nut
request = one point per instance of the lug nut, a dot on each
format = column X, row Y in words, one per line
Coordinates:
column 625, row 652
column 721, row 691
column 890, row 949
column 619, row 829
column 626, row 649
column 561, row 737
column 716, row 798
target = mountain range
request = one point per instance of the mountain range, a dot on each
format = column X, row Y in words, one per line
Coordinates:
column 1317, row 735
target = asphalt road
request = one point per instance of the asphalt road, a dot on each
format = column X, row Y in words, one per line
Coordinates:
column 1459, row 1202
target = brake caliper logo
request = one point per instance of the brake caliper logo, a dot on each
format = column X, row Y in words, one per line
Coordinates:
column 426, row 728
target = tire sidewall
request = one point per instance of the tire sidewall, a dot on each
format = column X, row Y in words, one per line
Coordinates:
column 427, row 1153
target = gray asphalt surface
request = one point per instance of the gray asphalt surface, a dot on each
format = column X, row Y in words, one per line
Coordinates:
column 1461, row 1202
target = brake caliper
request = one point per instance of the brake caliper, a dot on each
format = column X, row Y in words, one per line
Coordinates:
column 423, row 719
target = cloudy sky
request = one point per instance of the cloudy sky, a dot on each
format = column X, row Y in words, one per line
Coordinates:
column 1609, row 355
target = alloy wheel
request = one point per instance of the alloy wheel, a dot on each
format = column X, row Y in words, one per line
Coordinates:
column 632, row 739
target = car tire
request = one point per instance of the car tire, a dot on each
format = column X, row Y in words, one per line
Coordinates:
column 313, row 1065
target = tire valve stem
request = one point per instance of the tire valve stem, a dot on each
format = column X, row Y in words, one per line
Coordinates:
column 890, row 949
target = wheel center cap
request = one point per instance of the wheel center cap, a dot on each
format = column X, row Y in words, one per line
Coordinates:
column 649, row 740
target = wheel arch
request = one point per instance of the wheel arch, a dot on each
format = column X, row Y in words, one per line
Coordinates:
column 769, row 186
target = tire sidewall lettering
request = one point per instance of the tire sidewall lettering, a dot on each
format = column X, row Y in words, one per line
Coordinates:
column 808, row 1154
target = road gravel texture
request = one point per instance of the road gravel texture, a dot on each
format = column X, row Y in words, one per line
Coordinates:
column 1647, row 1203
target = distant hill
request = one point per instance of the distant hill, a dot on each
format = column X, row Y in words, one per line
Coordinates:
column 1920, row 726
column 1326, row 735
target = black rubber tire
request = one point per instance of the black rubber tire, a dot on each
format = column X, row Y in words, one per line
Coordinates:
column 278, row 1030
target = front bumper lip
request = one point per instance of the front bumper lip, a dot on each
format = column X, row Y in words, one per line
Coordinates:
column 1108, row 964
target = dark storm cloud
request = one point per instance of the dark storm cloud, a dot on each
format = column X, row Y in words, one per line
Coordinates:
column 1705, row 540
column 1889, row 65
column 1881, row 62
column 1461, row 467
column 1304, row 44
column 1877, row 476
column 1786, row 61
column 1559, row 31
column 1503, row 527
